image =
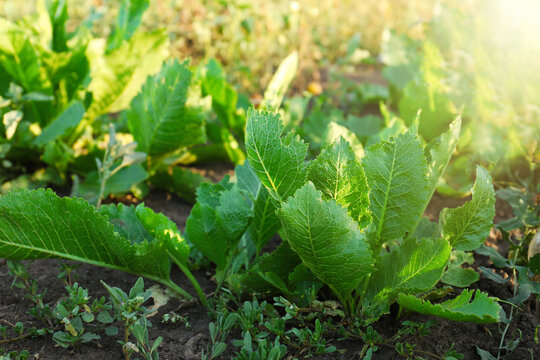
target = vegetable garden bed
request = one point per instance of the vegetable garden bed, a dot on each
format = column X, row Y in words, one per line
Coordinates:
column 183, row 342
column 364, row 218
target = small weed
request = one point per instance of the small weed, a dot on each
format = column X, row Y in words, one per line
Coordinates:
column 174, row 318
column 129, row 309
column 77, row 315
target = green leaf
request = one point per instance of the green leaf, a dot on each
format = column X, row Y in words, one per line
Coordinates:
column 225, row 103
column 482, row 309
column 38, row 224
column 497, row 259
column 525, row 281
column 68, row 72
column 117, row 76
column 265, row 222
column 396, row 173
column 437, row 108
column 68, row 119
column 414, row 266
column 162, row 228
column 218, row 349
column 127, row 21
column 426, row 229
column 455, row 274
column 467, row 227
column 278, row 162
column 327, row 240
column 315, row 125
column 338, row 174
column 125, row 222
column 218, row 220
column 158, row 117
column 20, row 60
column 439, row 152
column 276, row 89
column 58, row 14
column 334, row 131
column 484, row 354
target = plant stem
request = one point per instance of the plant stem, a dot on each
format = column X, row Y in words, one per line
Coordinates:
column 511, row 309
column 190, row 277
column 103, row 177
column 223, row 275
column 7, row 341
column 359, row 296
column 175, row 288
column 126, row 339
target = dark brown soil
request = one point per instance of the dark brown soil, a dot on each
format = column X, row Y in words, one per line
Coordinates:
column 182, row 343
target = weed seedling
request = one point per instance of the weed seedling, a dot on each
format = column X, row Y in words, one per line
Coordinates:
column 219, row 331
column 77, row 315
column 129, row 309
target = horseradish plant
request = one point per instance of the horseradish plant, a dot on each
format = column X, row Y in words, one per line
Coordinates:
column 357, row 226
column 38, row 224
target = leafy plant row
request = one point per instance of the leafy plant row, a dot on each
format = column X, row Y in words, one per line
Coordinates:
column 60, row 91
column 352, row 225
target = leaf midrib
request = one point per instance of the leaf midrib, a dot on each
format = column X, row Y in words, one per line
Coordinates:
column 274, row 188
column 164, row 111
column 71, row 257
column 388, row 188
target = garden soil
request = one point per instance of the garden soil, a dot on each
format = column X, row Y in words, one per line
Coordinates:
column 180, row 342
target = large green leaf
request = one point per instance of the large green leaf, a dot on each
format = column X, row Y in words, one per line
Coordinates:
column 327, row 240
column 414, row 266
column 265, row 222
column 278, row 162
column 482, row 309
column 117, row 76
column 396, row 172
column 467, row 227
column 128, row 20
column 338, row 174
column 38, row 224
column 158, row 117
column 218, row 220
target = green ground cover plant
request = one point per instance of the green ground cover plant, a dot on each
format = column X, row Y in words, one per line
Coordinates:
column 76, row 319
